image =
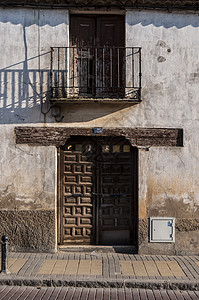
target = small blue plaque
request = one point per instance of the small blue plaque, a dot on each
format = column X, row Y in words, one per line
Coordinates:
column 97, row 130
column 169, row 224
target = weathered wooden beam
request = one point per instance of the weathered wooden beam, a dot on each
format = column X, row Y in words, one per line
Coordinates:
column 57, row 136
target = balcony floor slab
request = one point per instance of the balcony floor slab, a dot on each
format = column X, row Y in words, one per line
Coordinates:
column 94, row 100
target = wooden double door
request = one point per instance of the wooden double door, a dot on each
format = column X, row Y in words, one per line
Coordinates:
column 98, row 192
column 97, row 55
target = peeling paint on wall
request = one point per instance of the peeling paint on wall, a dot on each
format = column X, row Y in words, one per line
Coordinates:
column 168, row 178
column 168, row 196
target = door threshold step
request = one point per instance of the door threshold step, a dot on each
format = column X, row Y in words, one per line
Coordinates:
column 98, row 249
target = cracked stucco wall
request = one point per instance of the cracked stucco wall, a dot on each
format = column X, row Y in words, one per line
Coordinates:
column 27, row 174
column 27, row 194
column 168, row 177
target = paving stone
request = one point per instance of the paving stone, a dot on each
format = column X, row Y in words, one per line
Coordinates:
column 139, row 268
column 102, row 270
column 151, row 268
column 157, row 295
column 150, row 295
column 78, row 293
column 84, row 267
column 96, row 267
column 22, row 293
column 127, row 268
column 72, row 267
column 163, row 268
column 15, row 264
column 11, row 293
column 175, row 269
column 59, row 267
column 47, row 266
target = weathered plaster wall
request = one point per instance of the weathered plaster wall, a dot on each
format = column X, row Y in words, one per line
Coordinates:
column 27, row 194
column 168, row 177
column 27, row 174
column 27, row 35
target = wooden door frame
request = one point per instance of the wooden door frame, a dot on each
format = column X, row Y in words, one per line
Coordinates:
column 58, row 196
column 135, row 164
column 134, row 196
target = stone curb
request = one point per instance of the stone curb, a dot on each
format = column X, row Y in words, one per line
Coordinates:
column 136, row 283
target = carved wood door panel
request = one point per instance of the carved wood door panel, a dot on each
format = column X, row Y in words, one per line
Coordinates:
column 98, row 192
column 77, row 207
column 116, row 203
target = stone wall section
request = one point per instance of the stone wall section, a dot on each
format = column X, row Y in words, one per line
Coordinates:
column 29, row 230
column 186, row 238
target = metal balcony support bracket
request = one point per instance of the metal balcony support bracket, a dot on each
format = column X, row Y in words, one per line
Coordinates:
column 56, row 113
column 4, row 255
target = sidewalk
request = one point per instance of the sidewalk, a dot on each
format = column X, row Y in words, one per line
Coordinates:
column 103, row 270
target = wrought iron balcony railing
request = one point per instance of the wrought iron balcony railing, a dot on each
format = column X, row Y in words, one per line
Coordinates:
column 95, row 73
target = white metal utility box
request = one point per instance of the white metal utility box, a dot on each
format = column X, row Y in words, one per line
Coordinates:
column 162, row 230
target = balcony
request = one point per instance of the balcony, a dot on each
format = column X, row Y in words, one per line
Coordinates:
column 95, row 74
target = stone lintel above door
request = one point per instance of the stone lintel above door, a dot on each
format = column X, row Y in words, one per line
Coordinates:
column 139, row 137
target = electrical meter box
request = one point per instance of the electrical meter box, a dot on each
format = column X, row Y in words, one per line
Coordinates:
column 162, row 230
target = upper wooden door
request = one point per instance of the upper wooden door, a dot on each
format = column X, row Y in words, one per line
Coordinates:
column 107, row 30
column 82, row 31
column 99, row 58
column 98, row 203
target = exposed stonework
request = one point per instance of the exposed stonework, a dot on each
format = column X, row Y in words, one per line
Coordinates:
column 57, row 136
column 142, row 230
column 187, row 242
column 186, row 239
column 187, row 225
column 29, row 230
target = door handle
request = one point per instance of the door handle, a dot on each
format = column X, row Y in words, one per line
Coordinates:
column 97, row 194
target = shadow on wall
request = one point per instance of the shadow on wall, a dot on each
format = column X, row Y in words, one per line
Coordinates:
column 21, row 88
column 24, row 94
column 164, row 19
column 19, row 94
column 34, row 16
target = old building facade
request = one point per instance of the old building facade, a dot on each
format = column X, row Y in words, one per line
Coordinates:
column 99, row 124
